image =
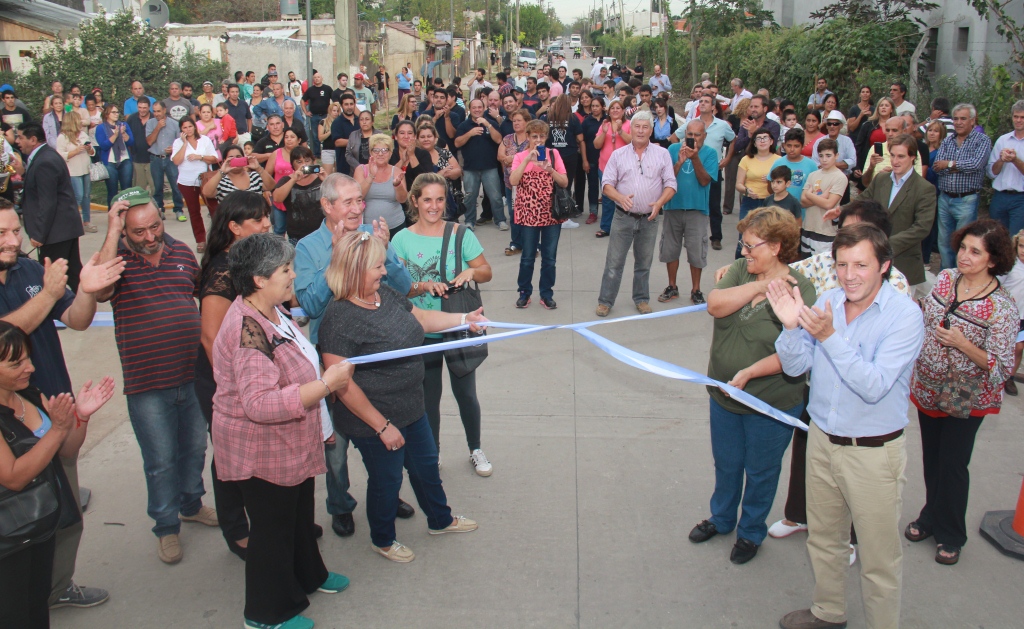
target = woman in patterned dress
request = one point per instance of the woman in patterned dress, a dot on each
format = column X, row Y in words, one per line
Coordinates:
column 535, row 179
column 971, row 324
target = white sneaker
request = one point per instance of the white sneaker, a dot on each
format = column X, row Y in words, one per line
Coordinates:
column 439, row 463
column 853, row 554
column 570, row 224
column 503, row 226
column 781, row 529
column 480, row 462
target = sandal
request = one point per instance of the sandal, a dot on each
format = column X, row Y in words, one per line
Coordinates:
column 511, row 251
column 951, row 556
column 601, row 233
column 915, row 532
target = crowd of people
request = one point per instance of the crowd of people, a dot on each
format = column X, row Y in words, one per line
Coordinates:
column 829, row 312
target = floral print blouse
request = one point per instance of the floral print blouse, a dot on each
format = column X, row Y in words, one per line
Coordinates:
column 990, row 323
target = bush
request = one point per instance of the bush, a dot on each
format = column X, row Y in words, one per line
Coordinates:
column 990, row 89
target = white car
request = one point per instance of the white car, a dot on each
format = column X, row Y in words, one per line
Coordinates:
column 575, row 40
column 529, row 56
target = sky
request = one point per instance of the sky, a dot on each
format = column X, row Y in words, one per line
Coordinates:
column 569, row 10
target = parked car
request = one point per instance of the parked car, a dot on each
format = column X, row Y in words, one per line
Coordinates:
column 529, row 56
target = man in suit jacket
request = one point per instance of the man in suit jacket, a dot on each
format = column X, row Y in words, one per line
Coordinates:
column 48, row 203
column 910, row 201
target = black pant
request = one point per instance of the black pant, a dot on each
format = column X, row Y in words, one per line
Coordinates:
column 946, row 447
column 463, row 388
column 283, row 564
column 715, row 207
column 579, row 182
column 25, row 586
column 227, row 497
column 570, row 170
column 68, row 250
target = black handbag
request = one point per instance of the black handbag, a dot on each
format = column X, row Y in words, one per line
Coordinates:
column 32, row 515
column 464, row 360
column 562, row 204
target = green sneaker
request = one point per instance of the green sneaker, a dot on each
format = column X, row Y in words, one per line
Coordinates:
column 298, row 622
column 182, row 218
column 335, row 583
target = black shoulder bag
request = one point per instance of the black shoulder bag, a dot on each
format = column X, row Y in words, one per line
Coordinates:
column 461, row 361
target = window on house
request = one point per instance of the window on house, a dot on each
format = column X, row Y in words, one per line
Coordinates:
column 963, row 35
column 931, row 51
column 5, row 64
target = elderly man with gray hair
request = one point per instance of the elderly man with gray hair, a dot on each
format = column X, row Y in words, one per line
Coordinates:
column 640, row 180
column 960, row 166
column 686, row 213
column 342, row 202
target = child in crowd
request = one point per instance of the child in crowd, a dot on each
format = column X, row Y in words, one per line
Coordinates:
column 248, row 148
column 789, row 122
column 800, row 167
column 821, row 196
column 780, row 178
column 229, row 130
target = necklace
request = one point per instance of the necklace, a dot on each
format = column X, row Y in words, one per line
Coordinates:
column 375, row 303
column 968, row 290
column 21, row 417
column 248, row 301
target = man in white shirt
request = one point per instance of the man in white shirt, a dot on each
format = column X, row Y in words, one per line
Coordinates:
column 595, row 72
column 1006, row 167
column 897, row 92
column 477, row 83
column 738, row 93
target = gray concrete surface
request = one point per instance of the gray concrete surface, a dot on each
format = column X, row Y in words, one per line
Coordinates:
column 600, row 471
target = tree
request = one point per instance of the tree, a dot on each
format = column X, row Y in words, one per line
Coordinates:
column 1005, row 26
column 534, row 24
column 873, row 11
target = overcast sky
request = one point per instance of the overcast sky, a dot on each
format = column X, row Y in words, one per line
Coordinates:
column 569, row 10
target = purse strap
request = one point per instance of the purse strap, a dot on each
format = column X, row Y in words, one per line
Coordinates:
column 448, row 227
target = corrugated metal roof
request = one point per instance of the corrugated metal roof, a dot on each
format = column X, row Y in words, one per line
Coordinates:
column 42, row 16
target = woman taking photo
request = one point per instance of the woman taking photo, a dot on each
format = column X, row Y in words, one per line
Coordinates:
column 970, row 324
column 860, row 111
column 664, row 127
column 812, row 131
column 358, row 150
column 299, row 192
column 579, row 180
column 382, row 186
column 745, row 443
column 613, row 134
column 279, row 166
column 323, row 132
column 114, row 138
column 73, row 145
column 511, row 145
column 420, row 247
column 59, row 423
column 192, row 154
column 535, row 180
column 268, row 432
column 752, row 174
column 240, row 215
column 406, row 112
column 382, row 410
column 873, row 129
column 251, row 177
column 52, row 120
column 95, row 120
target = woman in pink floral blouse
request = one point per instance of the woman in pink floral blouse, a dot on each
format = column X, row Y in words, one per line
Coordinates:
column 971, row 324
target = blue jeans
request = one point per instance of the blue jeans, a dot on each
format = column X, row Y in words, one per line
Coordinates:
column 953, row 214
column 384, row 478
column 607, row 206
column 593, row 186
column 339, row 501
column 82, row 185
column 171, row 432
column 750, row 444
column 546, row 239
column 280, row 220
column 161, row 167
column 491, row 180
column 515, row 228
column 640, row 234
column 119, row 174
column 746, row 206
column 313, row 131
column 1008, row 209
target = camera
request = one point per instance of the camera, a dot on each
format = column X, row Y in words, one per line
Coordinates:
column 310, row 169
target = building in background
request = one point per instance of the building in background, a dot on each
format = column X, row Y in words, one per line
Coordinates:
column 25, row 24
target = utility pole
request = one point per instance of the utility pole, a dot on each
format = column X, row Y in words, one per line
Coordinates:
column 453, row 38
column 309, row 46
column 622, row 21
column 517, row 24
column 666, row 30
column 487, row 20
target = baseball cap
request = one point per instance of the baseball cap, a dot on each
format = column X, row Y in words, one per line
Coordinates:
column 835, row 114
column 134, row 196
column 272, row 73
column 360, row 76
column 210, row 83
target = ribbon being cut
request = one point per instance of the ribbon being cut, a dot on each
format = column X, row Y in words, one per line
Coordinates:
column 622, row 354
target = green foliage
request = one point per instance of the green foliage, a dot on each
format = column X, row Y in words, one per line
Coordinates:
column 989, row 88
column 110, row 52
column 721, row 18
column 865, row 12
column 998, row 11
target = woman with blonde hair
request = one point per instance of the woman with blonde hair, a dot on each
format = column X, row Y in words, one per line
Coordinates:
column 406, row 111
column 873, row 129
column 382, row 410
column 74, row 146
column 324, row 133
column 382, row 186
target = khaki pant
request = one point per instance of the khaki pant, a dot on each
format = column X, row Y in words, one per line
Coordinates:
column 67, row 539
column 867, row 485
column 142, row 178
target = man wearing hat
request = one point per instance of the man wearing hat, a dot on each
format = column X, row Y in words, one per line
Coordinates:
column 157, row 327
column 364, row 97
column 206, row 98
column 846, row 159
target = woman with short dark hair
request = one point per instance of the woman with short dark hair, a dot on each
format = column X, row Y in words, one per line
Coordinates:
column 971, row 324
column 269, row 420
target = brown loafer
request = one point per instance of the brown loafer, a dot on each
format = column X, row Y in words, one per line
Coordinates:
column 804, row 619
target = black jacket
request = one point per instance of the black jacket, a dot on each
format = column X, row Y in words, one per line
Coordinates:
column 48, row 203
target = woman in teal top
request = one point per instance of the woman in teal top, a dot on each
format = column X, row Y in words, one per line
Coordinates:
column 744, row 442
column 419, row 246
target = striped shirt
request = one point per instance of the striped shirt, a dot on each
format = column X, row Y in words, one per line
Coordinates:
column 645, row 178
column 226, row 186
column 156, row 321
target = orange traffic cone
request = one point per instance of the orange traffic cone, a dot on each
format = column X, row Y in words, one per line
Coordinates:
column 1005, row 529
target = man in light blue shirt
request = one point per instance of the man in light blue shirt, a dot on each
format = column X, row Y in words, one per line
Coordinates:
column 660, row 83
column 859, row 342
column 342, row 203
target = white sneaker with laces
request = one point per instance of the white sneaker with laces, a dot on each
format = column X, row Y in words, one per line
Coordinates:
column 480, row 462
column 570, row 224
column 503, row 226
column 781, row 529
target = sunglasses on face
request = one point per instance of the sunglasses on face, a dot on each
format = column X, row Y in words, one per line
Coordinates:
column 833, row 124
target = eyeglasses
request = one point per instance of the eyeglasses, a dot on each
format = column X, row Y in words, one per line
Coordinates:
column 751, row 248
column 380, row 151
column 766, row 138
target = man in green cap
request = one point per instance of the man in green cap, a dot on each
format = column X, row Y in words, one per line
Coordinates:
column 157, row 327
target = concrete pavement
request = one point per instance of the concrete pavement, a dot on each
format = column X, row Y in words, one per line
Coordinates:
column 600, row 471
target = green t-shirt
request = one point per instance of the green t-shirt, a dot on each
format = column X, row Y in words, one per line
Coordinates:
column 745, row 337
column 422, row 256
